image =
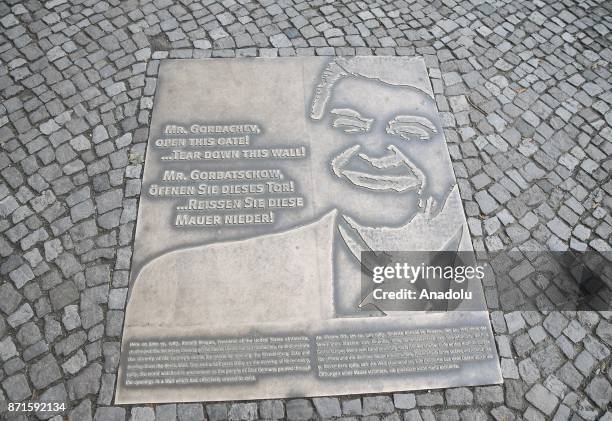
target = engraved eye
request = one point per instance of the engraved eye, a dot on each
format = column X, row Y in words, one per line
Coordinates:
column 412, row 127
column 350, row 121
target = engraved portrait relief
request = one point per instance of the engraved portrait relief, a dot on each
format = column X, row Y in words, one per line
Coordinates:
column 381, row 180
column 378, row 115
column 390, row 152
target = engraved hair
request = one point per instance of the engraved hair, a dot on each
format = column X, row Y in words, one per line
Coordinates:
column 359, row 67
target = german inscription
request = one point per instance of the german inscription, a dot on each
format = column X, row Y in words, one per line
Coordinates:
column 265, row 181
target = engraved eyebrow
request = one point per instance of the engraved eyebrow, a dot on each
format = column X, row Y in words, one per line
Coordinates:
column 405, row 125
column 350, row 120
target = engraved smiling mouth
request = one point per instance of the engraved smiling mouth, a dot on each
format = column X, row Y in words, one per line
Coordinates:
column 393, row 171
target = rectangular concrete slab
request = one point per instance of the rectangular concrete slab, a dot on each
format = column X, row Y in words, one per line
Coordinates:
column 264, row 182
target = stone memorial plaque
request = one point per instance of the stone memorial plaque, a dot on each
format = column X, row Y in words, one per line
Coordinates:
column 265, row 181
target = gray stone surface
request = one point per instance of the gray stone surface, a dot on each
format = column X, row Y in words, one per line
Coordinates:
column 600, row 391
column 110, row 414
column 190, row 412
column 542, row 399
column 54, row 394
column 166, row 412
column 373, row 405
column 327, row 407
column 404, row 400
column 107, row 389
column 7, row 349
column 299, row 409
column 16, row 388
column 242, row 411
column 86, row 382
column 270, row 409
column 20, row 316
column 142, row 414
column 75, row 363
column 557, row 56
column 351, row 407
column 460, row 396
column 45, row 372
column 9, row 298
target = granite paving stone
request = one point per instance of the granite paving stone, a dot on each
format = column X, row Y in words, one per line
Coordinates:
column 352, row 407
column 110, row 414
column 7, row 349
column 142, row 414
column 299, row 409
column 542, row 399
column 327, row 407
column 269, row 409
column 166, row 412
column 403, row 400
column 16, row 387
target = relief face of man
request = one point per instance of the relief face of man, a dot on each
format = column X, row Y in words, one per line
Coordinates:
column 385, row 152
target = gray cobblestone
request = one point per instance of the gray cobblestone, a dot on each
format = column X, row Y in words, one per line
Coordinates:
column 75, row 363
column 142, row 414
column 107, row 386
column 20, row 316
column 270, row 409
column 7, row 349
column 53, row 394
column 9, row 298
column 404, row 400
column 585, row 362
column 16, row 388
column 110, row 414
column 28, row 334
column 569, row 375
column 460, row 396
column 71, row 318
column 351, row 407
column 166, row 412
column 86, row 382
column 542, row 399
column 242, row 411
column 327, row 407
column 604, row 331
column 595, row 348
column 489, row 395
column 299, row 409
column 600, row 391
column 413, row 415
column 555, row 323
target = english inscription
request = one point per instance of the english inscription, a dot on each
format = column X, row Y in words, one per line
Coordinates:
column 242, row 196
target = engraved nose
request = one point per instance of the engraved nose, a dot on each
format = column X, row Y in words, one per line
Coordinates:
column 376, row 142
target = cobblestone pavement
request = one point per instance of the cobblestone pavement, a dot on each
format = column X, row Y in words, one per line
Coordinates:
column 524, row 92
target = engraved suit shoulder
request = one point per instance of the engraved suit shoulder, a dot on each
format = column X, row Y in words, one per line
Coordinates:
column 233, row 283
